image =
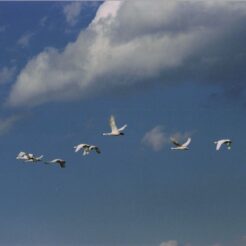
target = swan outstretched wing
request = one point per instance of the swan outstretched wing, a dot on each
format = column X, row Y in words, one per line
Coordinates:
column 93, row 147
column 122, row 128
column 113, row 124
column 187, row 142
column 61, row 162
column 21, row 154
column 55, row 161
column 221, row 142
column 78, row 147
column 175, row 142
column 81, row 146
column 39, row 158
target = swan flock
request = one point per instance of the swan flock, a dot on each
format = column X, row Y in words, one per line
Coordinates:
column 115, row 131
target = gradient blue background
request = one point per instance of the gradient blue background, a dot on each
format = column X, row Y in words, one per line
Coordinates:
column 130, row 194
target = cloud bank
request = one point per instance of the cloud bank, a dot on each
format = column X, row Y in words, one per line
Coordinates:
column 135, row 42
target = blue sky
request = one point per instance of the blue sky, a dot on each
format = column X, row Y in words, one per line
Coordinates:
column 165, row 69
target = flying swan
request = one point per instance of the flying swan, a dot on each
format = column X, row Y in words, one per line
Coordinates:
column 87, row 148
column 57, row 161
column 219, row 143
column 180, row 146
column 115, row 131
column 28, row 157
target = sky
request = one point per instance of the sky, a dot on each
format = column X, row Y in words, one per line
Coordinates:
column 164, row 69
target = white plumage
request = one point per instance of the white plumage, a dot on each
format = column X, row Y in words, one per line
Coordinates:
column 28, row 157
column 115, row 131
column 57, row 161
column 86, row 148
column 180, row 146
column 219, row 143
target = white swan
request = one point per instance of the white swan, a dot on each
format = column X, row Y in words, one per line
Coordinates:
column 219, row 143
column 28, row 157
column 86, row 148
column 180, row 146
column 115, row 131
column 57, row 161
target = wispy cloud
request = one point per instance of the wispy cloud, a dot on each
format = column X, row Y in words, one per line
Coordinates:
column 24, row 40
column 7, row 123
column 72, row 12
column 43, row 21
column 155, row 138
column 6, row 74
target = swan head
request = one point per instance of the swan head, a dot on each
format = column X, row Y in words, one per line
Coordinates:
column 122, row 133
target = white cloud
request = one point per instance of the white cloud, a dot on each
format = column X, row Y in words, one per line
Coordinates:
column 7, row 123
column 170, row 243
column 24, row 40
column 133, row 42
column 107, row 11
column 155, row 138
column 6, row 74
column 72, row 12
